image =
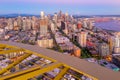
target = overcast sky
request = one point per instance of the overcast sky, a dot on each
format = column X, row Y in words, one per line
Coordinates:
column 83, row 7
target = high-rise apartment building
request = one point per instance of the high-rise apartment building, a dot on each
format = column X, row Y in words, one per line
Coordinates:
column 43, row 24
column 24, row 23
column 85, row 23
column 103, row 49
column 10, row 23
column 43, row 27
column 111, row 41
column 33, row 22
column 117, row 44
column 82, row 38
column 66, row 16
column 90, row 25
column 55, row 18
column 19, row 21
column 52, row 26
column 29, row 24
column 15, row 23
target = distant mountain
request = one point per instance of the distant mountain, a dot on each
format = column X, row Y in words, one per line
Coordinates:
column 91, row 16
column 108, row 15
column 16, row 15
column 75, row 16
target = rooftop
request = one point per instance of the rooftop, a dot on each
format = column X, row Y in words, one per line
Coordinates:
column 80, row 65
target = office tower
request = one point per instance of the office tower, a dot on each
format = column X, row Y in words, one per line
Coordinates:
column 103, row 49
column 16, row 25
column 85, row 24
column 2, row 33
column 71, row 18
column 43, row 24
column 42, row 14
column 66, row 29
column 29, row 24
column 111, row 43
column 66, row 17
column 52, row 27
column 60, row 14
column 74, row 27
column 62, row 25
column 33, row 22
column 19, row 21
column 24, row 23
column 82, row 38
column 90, row 25
column 10, row 23
column 117, row 44
column 66, row 14
column 55, row 18
column 74, row 37
column 117, row 41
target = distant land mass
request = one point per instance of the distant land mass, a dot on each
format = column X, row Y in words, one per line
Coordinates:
column 75, row 16
column 16, row 15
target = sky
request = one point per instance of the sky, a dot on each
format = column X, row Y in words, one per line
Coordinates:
column 81, row 7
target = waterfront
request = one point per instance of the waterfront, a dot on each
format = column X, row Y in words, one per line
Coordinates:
column 109, row 25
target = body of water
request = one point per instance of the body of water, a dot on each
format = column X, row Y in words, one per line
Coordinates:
column 109, row 25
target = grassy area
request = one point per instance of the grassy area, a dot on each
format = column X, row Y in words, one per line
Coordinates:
column 85, row 53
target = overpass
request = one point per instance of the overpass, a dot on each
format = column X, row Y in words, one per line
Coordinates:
column 55, row 60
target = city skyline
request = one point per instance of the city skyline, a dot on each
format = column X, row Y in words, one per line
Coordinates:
column 91, row 7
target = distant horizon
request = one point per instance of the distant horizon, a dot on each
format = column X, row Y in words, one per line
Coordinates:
column 63, row 13
column 82, row 7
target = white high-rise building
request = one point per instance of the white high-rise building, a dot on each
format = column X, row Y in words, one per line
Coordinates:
column 43, row 27
column 82, row 39
column 15, row 23
column 117, row 41
column 85, row 23
column 104, row 49
column 43, row 24
column 52, row 27
column 55, row 18
column 24, row 23
column 33, row 22
column 66, row 16
column 117, row 44
column 66, row 29
column 29, row 24
column 10, row 23
column 42, row 14
column 19, row 21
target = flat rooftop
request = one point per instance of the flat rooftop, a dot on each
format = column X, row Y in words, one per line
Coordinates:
column 95, row 70
column 117, row 57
